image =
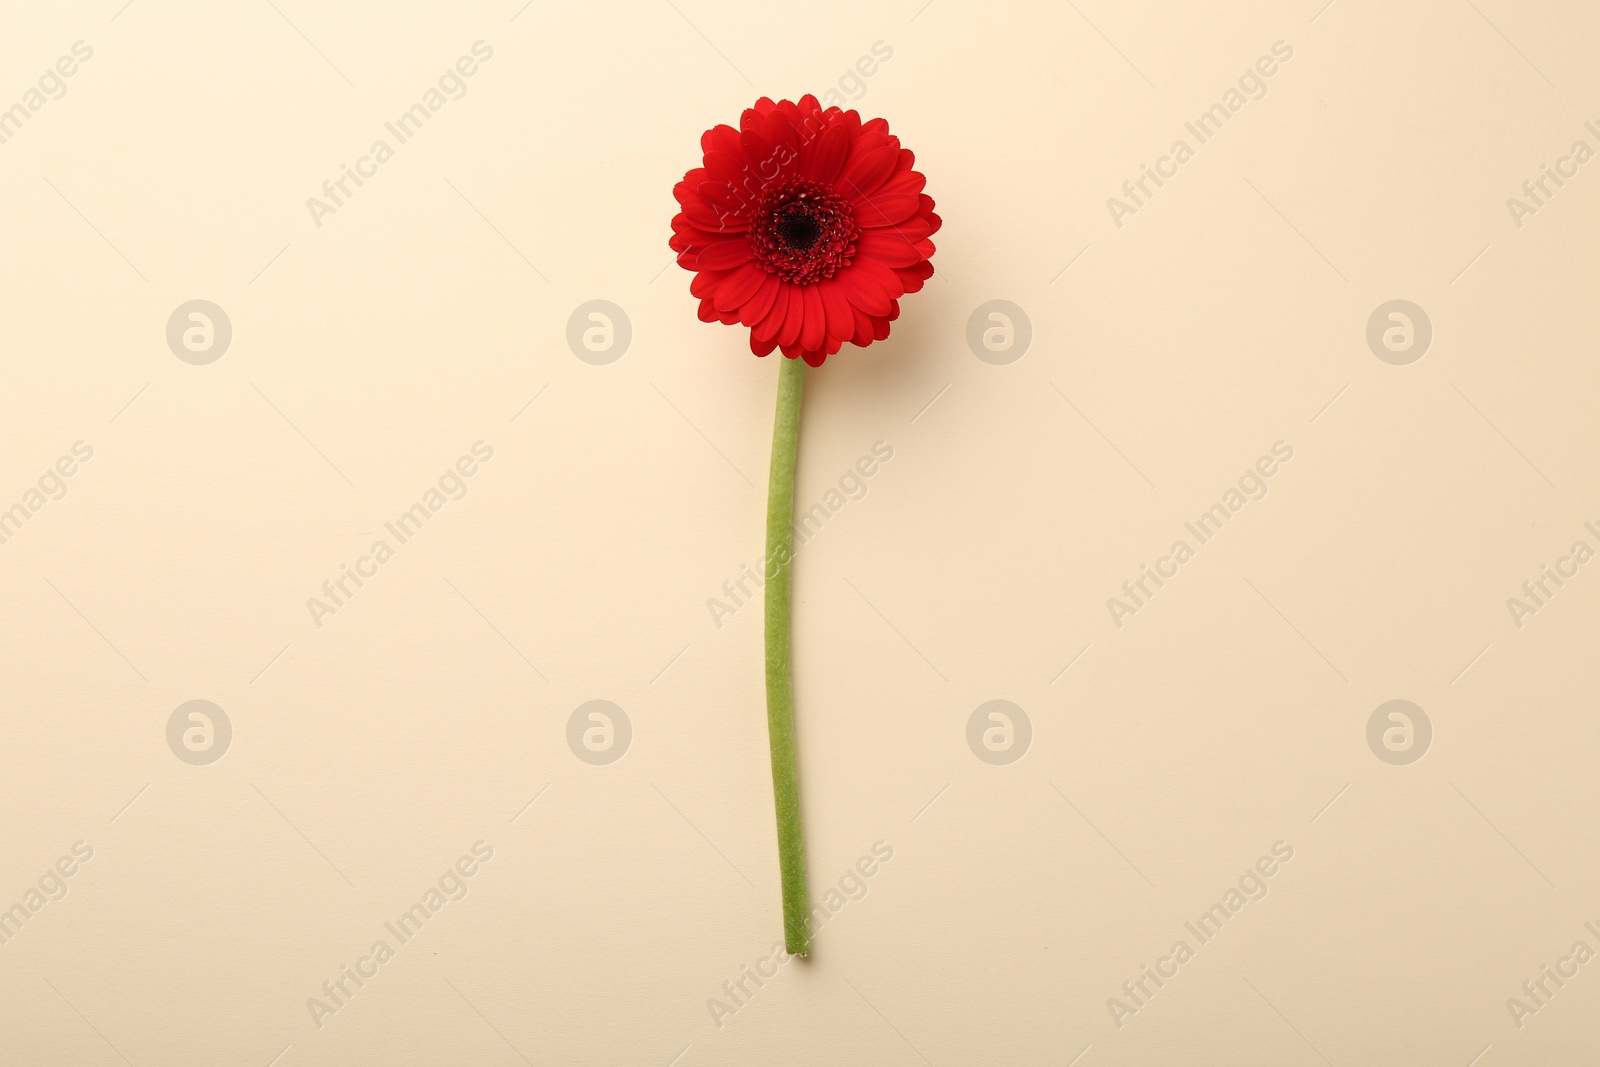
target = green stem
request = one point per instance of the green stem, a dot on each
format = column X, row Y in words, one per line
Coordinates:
column 780, row 675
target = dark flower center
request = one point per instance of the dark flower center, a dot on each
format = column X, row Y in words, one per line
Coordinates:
column 803, row 231
column 799, row 231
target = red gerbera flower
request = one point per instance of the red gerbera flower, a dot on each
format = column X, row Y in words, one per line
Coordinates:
column 806, row 225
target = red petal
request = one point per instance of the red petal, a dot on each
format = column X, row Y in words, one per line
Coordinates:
column 861, row 146
column 754, row 146
column 705, row 216
column 882, row 275
column 724, row 198
column 916, row 228
column 863, row 292
column 888, row 248
column 905, row 180
column 725, row 166
column 738, row 287
column 841, row 323
column 814, row 328
column 911, row 278
column 832, row 147
column 755, row 309
column 724, row 255
column 863, row 335
column 686, row 234
column 865, row 174
column 704, row 283
column 721, row 138
column 768, row 327
column 884, row 210
column 793, row 317
column 780, row 131
column 690, row 181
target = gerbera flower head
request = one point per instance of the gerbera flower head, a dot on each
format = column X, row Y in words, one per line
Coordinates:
column 806, row 225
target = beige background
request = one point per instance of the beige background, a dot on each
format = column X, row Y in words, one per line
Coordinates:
column 1229, row 714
